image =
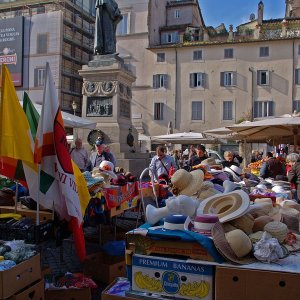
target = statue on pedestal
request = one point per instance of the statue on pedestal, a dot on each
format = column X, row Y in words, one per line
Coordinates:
column 108, row 16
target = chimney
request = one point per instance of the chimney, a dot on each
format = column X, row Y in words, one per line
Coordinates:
column 260, row 13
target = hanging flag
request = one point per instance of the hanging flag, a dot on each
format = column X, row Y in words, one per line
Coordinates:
column 14, row 127
column 51, row 152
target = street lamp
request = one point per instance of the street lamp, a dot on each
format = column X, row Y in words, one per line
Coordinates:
column 74, row 106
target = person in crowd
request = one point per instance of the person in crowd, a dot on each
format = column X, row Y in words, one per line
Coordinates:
column 176, row 156
column 99, row 155
column 192, row 152
column 161, row 164
column 293, row 162
column 256, row 156
column 80, row 155
column 107, row 150
column 271, row 167
column 201, row 155
column 230, row 160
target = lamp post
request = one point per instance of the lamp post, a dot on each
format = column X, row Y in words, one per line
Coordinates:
column 74, row 106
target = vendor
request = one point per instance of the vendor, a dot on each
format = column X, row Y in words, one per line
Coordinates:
column 271, row 167
column 100, row 155
column 230, row 160
column 201, row 155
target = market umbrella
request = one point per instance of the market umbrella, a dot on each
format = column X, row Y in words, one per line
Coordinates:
column 282, row 129
column 185, row 138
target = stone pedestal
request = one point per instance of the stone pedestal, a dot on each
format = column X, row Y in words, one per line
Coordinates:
column 107, row 86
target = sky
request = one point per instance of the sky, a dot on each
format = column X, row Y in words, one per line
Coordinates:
column 237, row 12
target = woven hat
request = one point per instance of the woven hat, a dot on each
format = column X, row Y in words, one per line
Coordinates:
column 235, row 171
column 244, row 223
column 277, row 230
column 227, row 206
column 223, row 246
column 187, row 183
column 90, row 180
column 211, row 162
column 292, row 242
column 202, row 224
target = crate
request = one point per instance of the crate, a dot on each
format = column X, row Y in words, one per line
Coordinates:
column 35, row 291
column 108, row 267
column 20, row 276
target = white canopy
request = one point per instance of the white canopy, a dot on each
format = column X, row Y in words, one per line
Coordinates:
column 70, row 120
column 184, row 138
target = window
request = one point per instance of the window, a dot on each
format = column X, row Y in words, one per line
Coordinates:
column 122, row 27
column 197, row 80
column 160, row 81
column 197, row 113
column 197, row 55
column 161, row 57
column 296, row 105
column 263, row 109
column 262, row 77
column 263, row 51
column 297, row 76
column 39, row 77
column 176, row 13
column 170, row 37
column 158, row 111
column 227, row 110
column 228, row 78
column 228, row 53
column 42, row 43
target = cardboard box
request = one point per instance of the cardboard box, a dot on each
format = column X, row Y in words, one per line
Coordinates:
column 17, row 278
column 148, row 191
column 146, row 245
column 245, row 284
column 104, row 268
column 68, row 294
column 34, row 292
column 106, row 296
column 172, row 277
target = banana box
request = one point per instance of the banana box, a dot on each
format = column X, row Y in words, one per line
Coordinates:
column 172, row 277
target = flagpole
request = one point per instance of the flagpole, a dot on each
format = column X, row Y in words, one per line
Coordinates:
column 16, row 195
column 38, row 197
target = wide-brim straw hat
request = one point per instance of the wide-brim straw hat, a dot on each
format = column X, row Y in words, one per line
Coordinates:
column 244, row 223
column 187, row 183
column 235, row 171
column 222, row 245
column 228, row 206
column 211, row 162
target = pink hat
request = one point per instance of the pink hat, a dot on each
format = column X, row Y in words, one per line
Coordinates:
column 202, row 224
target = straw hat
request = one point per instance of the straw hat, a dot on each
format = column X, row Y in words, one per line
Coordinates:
column 292, row 242
column 107, row 167
column 235, row 171
column 278, row 230
column 187, row 183
column 236, row 239
column 244, row 223
column 211, row 162
column 227, row 206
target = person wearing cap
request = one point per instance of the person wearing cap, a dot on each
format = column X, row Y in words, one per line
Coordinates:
column 271, row 167
column 79, row 155
column 161, row 164
column 100, row 155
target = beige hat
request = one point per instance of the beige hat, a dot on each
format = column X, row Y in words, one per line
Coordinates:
column 261, row 222
column 239, row 242
column 227, row 206
column 223, row 246
column 278, row 230
column 244, row 223
column 292, row 242
column 187, row 183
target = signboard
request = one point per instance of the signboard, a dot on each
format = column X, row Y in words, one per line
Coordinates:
column 11, row 47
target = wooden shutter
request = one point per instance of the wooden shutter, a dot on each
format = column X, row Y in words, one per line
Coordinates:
column 222, row 78
column 234, row 78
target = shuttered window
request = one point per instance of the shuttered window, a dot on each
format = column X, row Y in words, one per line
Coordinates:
column 263, row 109
column 197, row 113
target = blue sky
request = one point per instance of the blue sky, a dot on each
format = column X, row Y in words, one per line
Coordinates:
column 236, row 12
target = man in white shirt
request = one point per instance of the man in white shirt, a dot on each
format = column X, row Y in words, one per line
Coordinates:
column 79, row 155
column 161, row 163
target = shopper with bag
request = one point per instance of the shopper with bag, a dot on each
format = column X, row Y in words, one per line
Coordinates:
column 161, row 164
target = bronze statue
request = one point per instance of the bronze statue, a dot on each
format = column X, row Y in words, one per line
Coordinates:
column 108, row 16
